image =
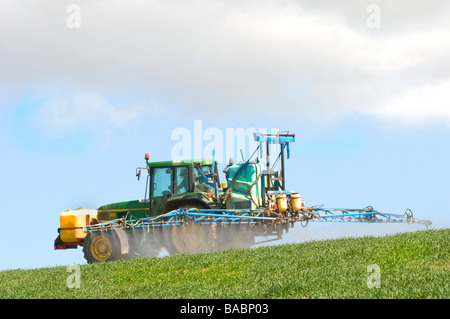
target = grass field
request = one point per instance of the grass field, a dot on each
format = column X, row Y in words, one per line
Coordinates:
column 411, row 265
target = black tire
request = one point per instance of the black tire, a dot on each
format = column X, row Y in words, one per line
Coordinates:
column 100, row 246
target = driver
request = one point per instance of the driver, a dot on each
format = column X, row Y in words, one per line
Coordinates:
column 183, row 180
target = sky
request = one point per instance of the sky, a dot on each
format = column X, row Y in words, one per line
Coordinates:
column 87, row 88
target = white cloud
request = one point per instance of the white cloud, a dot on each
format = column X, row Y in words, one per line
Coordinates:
column 424, row 105
column 317, row 60
column 64, row 114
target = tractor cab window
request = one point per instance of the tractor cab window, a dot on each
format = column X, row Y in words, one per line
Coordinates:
column 162, row 181
column 181, row 180
column 161, row 188
column 200, row 182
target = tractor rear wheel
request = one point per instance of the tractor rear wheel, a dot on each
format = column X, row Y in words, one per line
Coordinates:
column 101, row 246
column 188, row 238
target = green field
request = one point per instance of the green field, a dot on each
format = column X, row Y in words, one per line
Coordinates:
column 412, row 265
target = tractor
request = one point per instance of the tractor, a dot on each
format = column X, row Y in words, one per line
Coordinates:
column 184, row 185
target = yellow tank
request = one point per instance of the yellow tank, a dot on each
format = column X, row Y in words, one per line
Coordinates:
column 281, row 203
column 72, row 223
column 296, row 202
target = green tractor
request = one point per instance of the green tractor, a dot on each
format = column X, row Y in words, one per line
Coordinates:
column 170, row 185
column 175, row 185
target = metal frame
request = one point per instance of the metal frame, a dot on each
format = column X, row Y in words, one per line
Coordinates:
column 248, row 216
column 188, row 216
column 367, row 214
column 281, row 138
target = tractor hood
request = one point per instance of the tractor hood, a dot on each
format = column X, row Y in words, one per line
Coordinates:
column 131, row 209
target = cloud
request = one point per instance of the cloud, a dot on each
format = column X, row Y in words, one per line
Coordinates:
column 90, row 110
column 316, row 60
column 425, row 105
column 64, row 114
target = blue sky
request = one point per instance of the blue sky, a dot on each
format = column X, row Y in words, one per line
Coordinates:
column 81, row 106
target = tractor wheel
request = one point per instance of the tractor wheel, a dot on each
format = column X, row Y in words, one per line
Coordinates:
column 186, row 239
column 189, row 238
column 101, row 246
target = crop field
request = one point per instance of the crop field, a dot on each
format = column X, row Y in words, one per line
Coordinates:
column 408, row 265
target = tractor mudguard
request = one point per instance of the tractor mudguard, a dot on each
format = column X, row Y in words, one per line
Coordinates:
column 194, row 198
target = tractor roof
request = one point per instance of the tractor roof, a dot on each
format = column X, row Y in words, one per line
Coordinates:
column 180, row 163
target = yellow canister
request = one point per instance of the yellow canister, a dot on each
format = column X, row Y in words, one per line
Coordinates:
column 281, row 203
column 296, row 202
column 72, row 223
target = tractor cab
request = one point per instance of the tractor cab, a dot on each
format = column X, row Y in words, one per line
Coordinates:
column 186, row 184
column 180, row 184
